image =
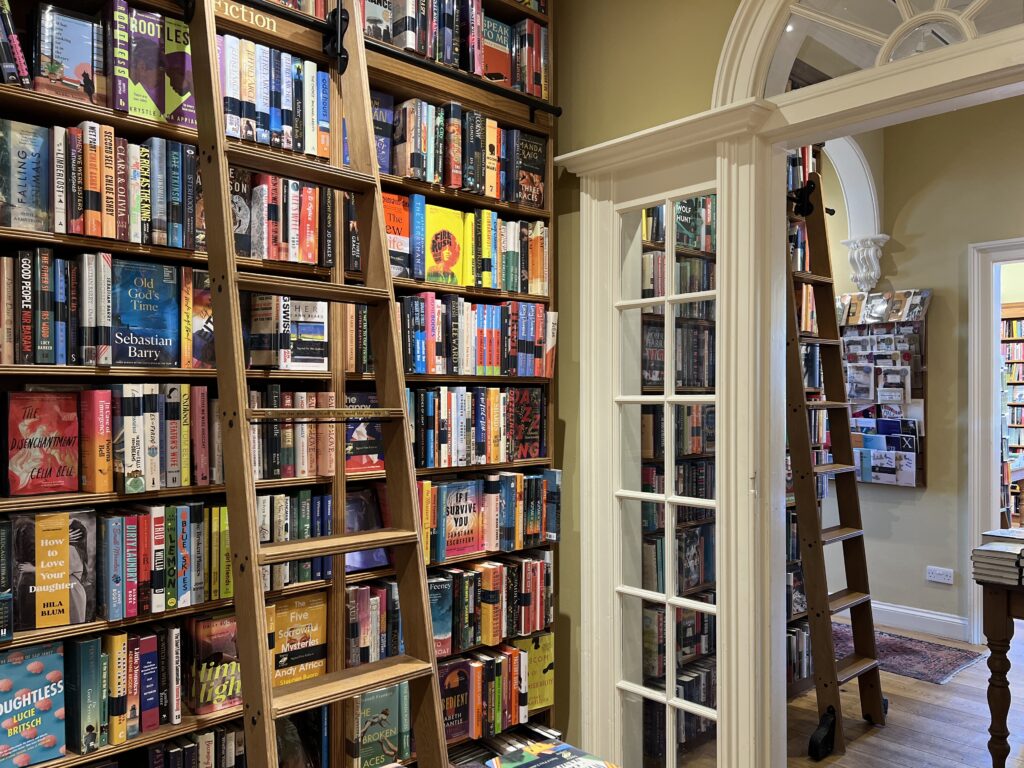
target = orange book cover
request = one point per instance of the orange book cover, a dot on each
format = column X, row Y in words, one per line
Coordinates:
column 326, row 441
column 494, row 418
column 92, row 179
column 97, row 463
column 490, row 610
column 300, row 638
column 307, row 229
column 108, row 169
column 476, row 697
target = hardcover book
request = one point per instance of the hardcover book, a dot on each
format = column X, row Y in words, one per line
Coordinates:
column 383, row 105
column 146, row 310
column 145, row 65
column 179, row 102
column 396, row 221
column 84, row 689
column 54, row 569
column 202, row 320
column 300, row 633
column 24, row 176
column 463, row 521
column 216, row 675
column 454, row 680
column 364, row 446
column 497, row 46
column 41, row 431
column 531, row 167
column 446, row 261
column 541, row 661
column 439, row 588
column 65, row 60
column 32, row 700
column 380, row 727
column 362, row 513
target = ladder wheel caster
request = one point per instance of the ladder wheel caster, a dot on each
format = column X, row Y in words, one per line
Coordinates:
column 823, row 739
column 885, row 711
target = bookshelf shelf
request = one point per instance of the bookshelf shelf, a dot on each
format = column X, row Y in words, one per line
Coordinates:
column 383, row 573
column 73, row 500
column 480, row 646
column 455, row 378
column 408, row 285
column 459, row 199
column 511, row 11
column 431, row 471
column 706, row 587
column 130, row 372
column 1013, row 338
column 681, row 250
column 188, row 724
column 50, row 634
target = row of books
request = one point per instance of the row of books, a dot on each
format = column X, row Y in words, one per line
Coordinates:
column 85, row 180
column 474, row 248
column 696, row 636
column 690, row 731
column 292, row 447
column 301, row 514
column 502, row 512
column 652, row 514
column 807, row 313
column 695, row 478
column 796, row 241
column 1012, row 350
column 692, row 274
column 799, row 659
column 465, row 426
column 450, row 335
column 1012, row 329
column 796, row 590
column 694, row 431
column 695, row 559
column 821, row 456
column 696, row 222
column 694, row 356
column 526, row 744
column 883, row 307
column 801, row 164
column 457, row 33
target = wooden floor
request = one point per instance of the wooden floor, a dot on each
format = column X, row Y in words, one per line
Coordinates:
column 933, row 726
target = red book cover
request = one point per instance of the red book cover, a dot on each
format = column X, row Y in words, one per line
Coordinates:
column 525, row 421
column 97, row 470
column 200, row 435
column 133, row 686
column 145, row 565
column 42, row 443
column 131, row 567
column 216, row 672
column 538, row 346
column 121, row 187
column 307, row 226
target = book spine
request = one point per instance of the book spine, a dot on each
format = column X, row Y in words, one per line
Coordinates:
column 121, row 202
column 117, row 51
column 157, row 578
column 134, row 194
column 42, row 320
column 170, row 557
column 158, row 167
column 262, row 54
column 190, row 171
column 201, row 435
column 92, row 180
column 275, row 98
column 170, row 434
column 25, row 300
column 108, row 182
column 174, row 674
column 323, row 114
column 309, row 128
column 58, row 210
column 186, row 435
column 198, row 550
column 145, row 569
column 116, row 647
column 149, row 684
column 327, row 456
column 97, row 448
column 328, row 227
column 75, row 182
column 287, row 100
column 299, row 106
column 60, row 311
column 183, row 562
column 131, row 566
column 145, row 194
column 175, row 189
column 247, row 64
column 151, row 417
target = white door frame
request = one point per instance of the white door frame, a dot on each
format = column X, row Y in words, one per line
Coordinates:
column 983, row 433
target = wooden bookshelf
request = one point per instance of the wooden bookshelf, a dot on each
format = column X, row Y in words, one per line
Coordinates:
column 457, row 198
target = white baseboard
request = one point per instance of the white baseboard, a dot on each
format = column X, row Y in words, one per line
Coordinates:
column 910, row 619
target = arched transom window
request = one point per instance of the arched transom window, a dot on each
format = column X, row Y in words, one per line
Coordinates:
column 824, row 39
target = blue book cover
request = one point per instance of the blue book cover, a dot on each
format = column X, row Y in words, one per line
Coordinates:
column 60, row 311
column 362, row 513
column 480, row 422
column 428, row 433
column 327, row 528
column 418, row 235
column 383, row 108
column 316, row 525
column 158, row 190
column 553, row 505
column 146, row 314
column 323, row 110
column 25, row 176
column 84, row 689
column 275, row 97
column 439, row 588
column 175, row 195
column 184, row 558
column 111, row 580
column 507, row 513
column 32, row 701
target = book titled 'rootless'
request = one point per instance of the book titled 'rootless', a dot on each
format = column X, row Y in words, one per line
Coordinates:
column 146, row 323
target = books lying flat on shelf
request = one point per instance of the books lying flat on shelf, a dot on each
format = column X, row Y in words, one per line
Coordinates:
column 1000, row 562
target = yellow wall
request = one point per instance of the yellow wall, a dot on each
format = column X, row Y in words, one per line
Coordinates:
column 950, row 181
column 1011, row 280
column 619, row 68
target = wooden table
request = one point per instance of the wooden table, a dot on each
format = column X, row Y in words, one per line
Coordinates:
column 1002, row 604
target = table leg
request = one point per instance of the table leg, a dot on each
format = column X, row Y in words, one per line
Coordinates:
column 999, row 632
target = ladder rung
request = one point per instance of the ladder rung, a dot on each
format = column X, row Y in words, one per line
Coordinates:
column 293, row 166
column 824, row 405
column 810, row 278
column 839, row 533
column 846, row 598
column 325, row 414
column 339, row 544
column 347, row 683
column 299, row 288
column 833, row 469
column 809, row 339
column 853, row 666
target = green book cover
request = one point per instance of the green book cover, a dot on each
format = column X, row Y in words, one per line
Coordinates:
column 171, row 557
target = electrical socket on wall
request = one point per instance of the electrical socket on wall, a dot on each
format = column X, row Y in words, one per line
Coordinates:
column 938, row 575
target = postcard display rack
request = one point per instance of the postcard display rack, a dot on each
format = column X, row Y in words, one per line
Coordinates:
column 884, row 361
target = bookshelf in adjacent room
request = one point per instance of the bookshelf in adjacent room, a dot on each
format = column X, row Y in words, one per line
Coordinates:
column 1011, row 400
column 480, row 386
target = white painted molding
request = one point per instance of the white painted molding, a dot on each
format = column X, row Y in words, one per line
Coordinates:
column 865, row 260
column 983, row 434
column 861, row 196
column 906, row 618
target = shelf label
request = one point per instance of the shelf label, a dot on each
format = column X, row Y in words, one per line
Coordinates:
column 246, row 15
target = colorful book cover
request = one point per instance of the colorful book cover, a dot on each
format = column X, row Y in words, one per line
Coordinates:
column 65, row 62
column 179, row 101
column 110, row 595
column 149, row 688
column 275, row 98
column 83, row 689
column 526, row 407
column 300, row 634
column 42, row 443
column 497, row 45
column 362, row 513
column 383, row 106
column 364, row 446
column 323, row 114
column 202, row 320
column 25, row 176
column 115, row 645
column 157, row 190
column 462, row 516
column 396, row 221
column 118, row 42
column 549, row 754
column 216, row 672
column 380, row 727
column 32, row 698
column 531, row 168
column 54, row 569
column 444, row 246
column 262, row 74
column 146, row 308
column 541, row 661
column 145, row 65
column 453, row 679
column 439, row 589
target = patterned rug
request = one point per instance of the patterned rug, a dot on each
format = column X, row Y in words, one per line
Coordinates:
column 919, row 659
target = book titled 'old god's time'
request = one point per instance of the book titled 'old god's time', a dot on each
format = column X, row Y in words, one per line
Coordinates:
column 41, row 432
column 146, row 328
column 32, row 704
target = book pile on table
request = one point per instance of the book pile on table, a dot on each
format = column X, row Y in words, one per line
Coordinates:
column 1000, row 558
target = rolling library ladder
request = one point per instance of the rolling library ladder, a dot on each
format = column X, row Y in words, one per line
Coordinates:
column 862, row 664
column 264, row 704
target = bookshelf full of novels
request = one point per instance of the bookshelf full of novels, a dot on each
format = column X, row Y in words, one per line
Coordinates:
column 116, row 586
column 1011, row 405
column 666, row 402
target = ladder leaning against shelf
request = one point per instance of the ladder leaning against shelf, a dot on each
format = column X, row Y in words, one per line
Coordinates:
column 862, row 664
column 262, row 703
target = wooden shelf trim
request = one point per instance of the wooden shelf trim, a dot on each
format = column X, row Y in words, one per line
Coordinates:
column 384, row 573
column 130, row 372
column 462, row 199
column 407, row 284
column 455, row 378
column 503, row 641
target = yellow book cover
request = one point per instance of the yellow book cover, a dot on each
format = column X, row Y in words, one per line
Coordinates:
column 227, row 586
column 486, row 252
column 491, row 158
column 490, row 611
column 186, row 317
column 468, row 274
column 108, row 170
column 445, row 245
column 116, row 647
column 186, row 435
column 540, row 651
column 494, row 415
column 214, row 553
column 425, row 517
column 300, row 638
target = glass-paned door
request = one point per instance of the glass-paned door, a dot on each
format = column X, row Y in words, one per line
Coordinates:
column 666, row 672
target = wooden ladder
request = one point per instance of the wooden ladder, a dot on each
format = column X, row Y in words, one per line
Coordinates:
column 862, row 664
column 229, row 276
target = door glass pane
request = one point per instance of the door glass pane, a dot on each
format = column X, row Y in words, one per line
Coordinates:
column 999, row 14
column 643, row 545
column 923, row 6
column 642, row 243
column 633, row 727
column 694, row 347
column 810, row 52
column 641, row 352
column 695, row 561
column 696, row 243
column 879, row 15
column 643, row 642
column 695, row 735
column 926, row 36
column 642, row 448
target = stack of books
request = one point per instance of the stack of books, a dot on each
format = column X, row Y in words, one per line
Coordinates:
column 1000, row 558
